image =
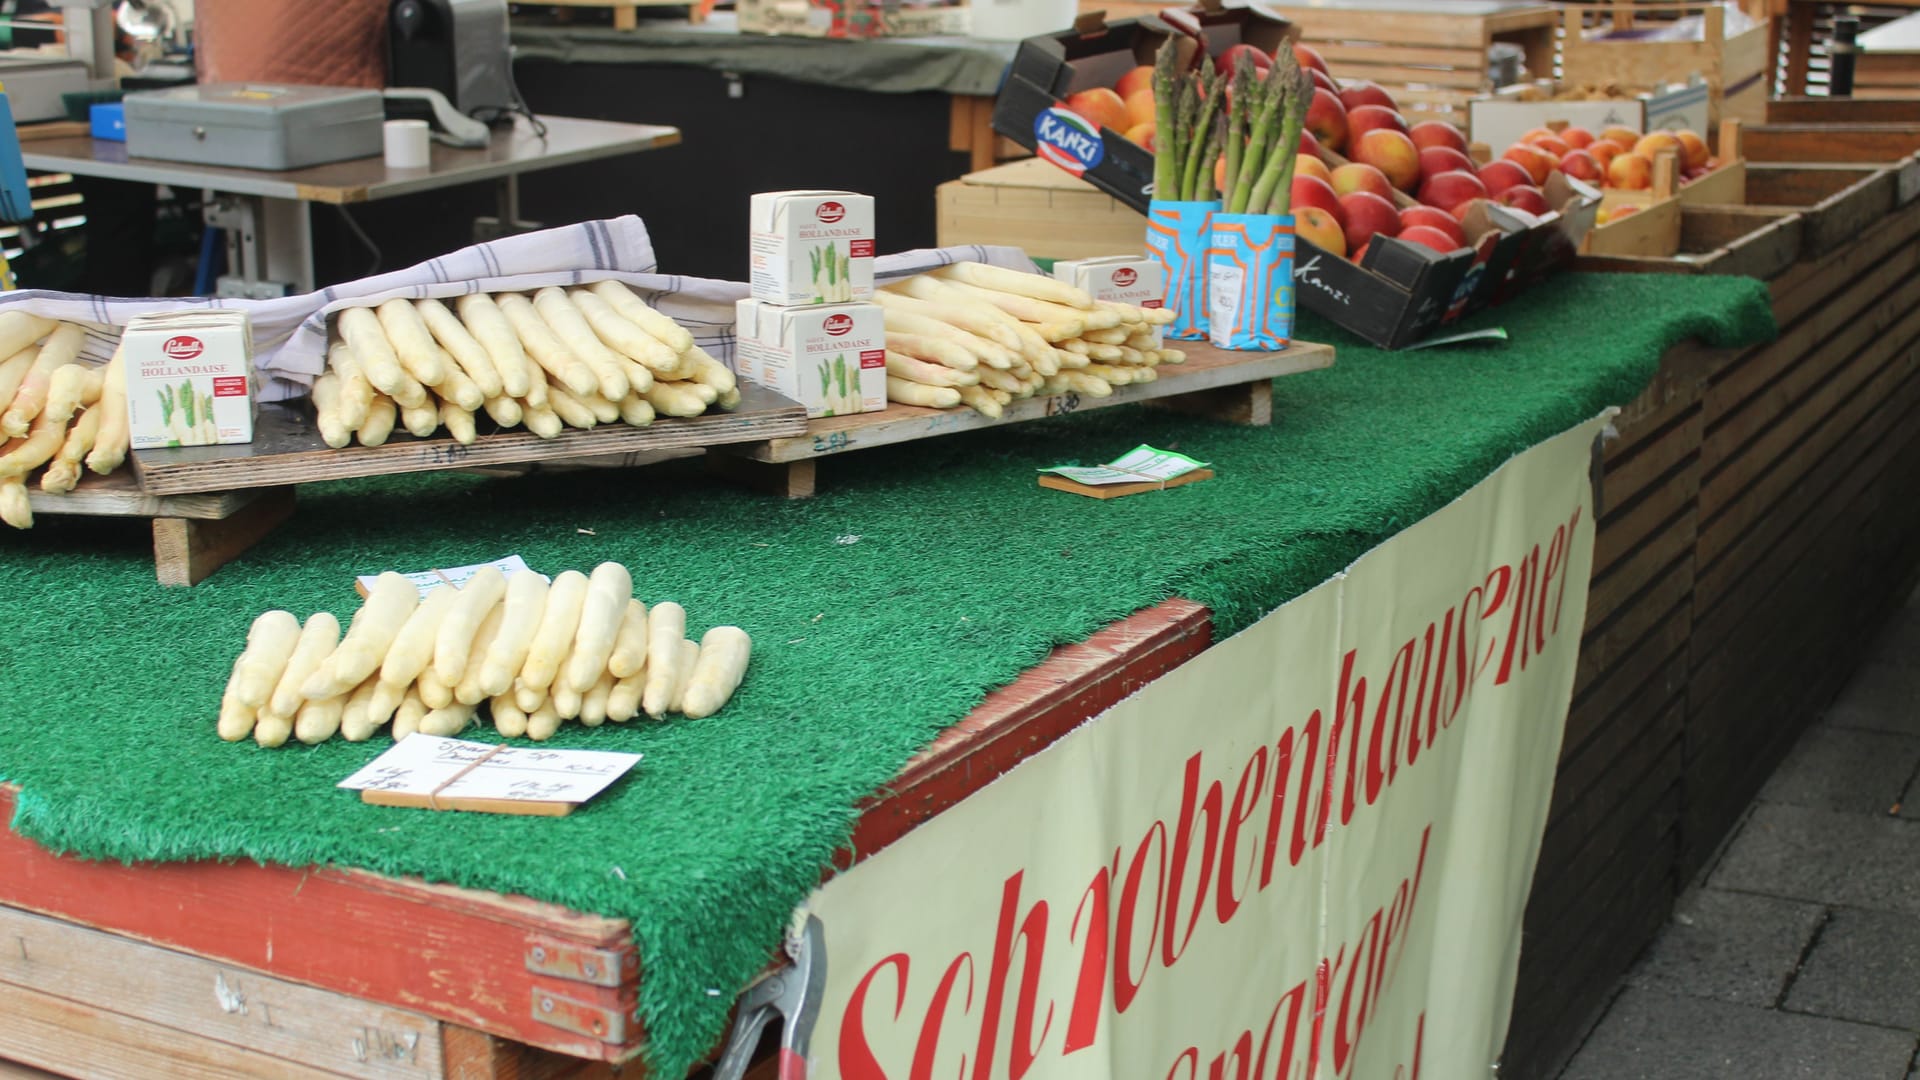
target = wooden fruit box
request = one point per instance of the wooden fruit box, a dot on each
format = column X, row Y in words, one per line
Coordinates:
column 1837, row 202
column 1431, row 57
column 1735, row 241
column 1880, row 131
column 1642, row 223
column 1734, row 66
column 1039, row 207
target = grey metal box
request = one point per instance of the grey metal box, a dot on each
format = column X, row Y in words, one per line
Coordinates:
column 255, row 126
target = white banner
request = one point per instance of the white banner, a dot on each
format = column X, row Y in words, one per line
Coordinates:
column 1304, row 853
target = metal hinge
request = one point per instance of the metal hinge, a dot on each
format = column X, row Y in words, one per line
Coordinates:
column 580, row 1017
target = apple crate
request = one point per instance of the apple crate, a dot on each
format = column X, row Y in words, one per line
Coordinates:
column 1734, row 241
column 1035, row 206
column 1431, row 57
column 1878, row 131
column 1612, row 43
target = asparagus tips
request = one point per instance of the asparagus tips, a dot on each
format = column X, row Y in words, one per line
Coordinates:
column 1281, row 201
column 1165, row 114
column 1260, row 129
column 1237, row 110
column 1197, row 177
column 1290, row 112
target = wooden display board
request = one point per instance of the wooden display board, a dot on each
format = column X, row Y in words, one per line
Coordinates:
column 1231, row 386
column 193, row 535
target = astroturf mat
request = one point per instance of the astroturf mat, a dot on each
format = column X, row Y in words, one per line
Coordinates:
column 881, row 610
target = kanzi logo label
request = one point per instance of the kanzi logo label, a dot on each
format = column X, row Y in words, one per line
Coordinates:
column 183, row 347
column 1068, row 140
column 838, row 325
column 829, row 212
column 1125, row 276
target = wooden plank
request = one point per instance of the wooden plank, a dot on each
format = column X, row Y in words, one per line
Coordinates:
column 1360, row 55
column 1632, row 623
column 1037, row 207
column 1850, row 111
column 1409, row 26
column 1810, row 283
column 287, row 450
column 1394, row 76
column 455, row 955
column 212, row 1001
column 475, row 1055
column 1206, row 368
column 1826, row 142
column 10, row 1070
column 1613, row 590
column 1840, row 217
column 118, row 495
column 45, row 1031
column 186, row 552
column 1627, row 527
column 1653, row 457
column 1606, row 689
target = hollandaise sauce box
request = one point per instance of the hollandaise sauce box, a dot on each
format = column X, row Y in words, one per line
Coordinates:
column 811, row 247
column 189, row 378
column 1123, row 279
column 832, row 358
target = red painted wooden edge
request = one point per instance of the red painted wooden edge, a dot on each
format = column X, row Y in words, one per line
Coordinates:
column 460, row 955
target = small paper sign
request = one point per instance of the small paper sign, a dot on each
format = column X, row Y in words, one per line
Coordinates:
column 1140, row 465
column 435, row 769
column 429, row 580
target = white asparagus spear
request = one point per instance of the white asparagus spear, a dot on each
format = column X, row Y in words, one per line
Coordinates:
column 913, row 393
column 1035, row 285
column 609, row 590
column 381, row 416
column 461, row 346
column 671, row 334
column 717, row 674
column 526, row 602
column 356, row 393
column 557, row 310
column 419, row 355
column 545, row 347
column 666, row 629
column 482, row 317
column 453, row 643
column 624, row 336
column 364, row 334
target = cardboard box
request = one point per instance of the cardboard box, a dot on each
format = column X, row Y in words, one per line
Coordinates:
column 811, row 247
column 1500, row 119
column 831, row 358
column 189, row 378
column 1123, row 279
column 1050, row 67
column 849, row 18
column 1033, row 205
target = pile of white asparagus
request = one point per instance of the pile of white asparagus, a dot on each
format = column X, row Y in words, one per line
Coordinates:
column 983, row 336
column 533, row 654
column 561, row 358
column 56, row 410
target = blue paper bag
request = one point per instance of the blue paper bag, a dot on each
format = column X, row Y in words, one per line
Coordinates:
column 1177, row 235
column 1250, row 281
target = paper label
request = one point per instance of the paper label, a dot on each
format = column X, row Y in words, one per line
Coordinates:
column 428, row 580
column 428, row 765
column 1141, row 465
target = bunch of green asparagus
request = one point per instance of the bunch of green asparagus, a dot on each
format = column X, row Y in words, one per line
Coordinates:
column 1256, row 128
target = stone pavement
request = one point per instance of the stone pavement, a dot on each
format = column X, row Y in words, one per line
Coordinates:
column 1796, row 956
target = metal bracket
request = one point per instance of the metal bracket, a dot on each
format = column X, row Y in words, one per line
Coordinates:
column 245, row 220
column 599, row 967
column 580, row 1017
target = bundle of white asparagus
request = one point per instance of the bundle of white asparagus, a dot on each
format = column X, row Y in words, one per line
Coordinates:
column 56, row 410
column 561, row 358
column 533, row 655
column 982, row 336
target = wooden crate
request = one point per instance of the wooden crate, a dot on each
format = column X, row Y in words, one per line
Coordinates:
column 1034, row 205
column 626, row 14
column 1734, row 65
column 1877, row 131
column 1431, row 56
column 1641, row 223
column 1741, row 241
column 1888, row 60
column 1836, row 202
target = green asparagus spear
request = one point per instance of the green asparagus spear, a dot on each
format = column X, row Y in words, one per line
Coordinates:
column 1275, row 185
column 1198, row 179
column 1237, row 109
column 1165, row 96
column 1259, row 140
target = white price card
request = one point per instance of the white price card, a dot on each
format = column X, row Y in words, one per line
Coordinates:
column 1141, row 465
column 434, row 768
column 428, row 580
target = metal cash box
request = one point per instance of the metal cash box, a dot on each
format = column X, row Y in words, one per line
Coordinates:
column 255, row 126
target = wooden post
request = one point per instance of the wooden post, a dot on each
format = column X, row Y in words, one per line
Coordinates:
column 186, row 551
column 785, row 479
column 1247, row 404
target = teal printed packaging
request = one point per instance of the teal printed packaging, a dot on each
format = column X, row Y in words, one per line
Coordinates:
column 811, row 247
column 189, row 378
column 831, row 358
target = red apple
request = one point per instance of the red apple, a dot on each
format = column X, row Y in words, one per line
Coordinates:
column 1578, row 138
column 1323, row 80
column 1311, row 59
column 1360, row 176
column 1449, row 189
column 1630, row 171
column 1437, row 133
column 1229, row 61
column 1321, row 229
column 1580, row 165
column 1140, row 78
column 1368, row 215
column 1364, row 118
column 1312, row 191
column 1360, row 257
column 1460, row 212
column 1602, row 151
column 1141, row 135
column 1524, row 197
column 1309, row 144
column 1360, row 92
column 1102, row 107
column 1306, row 165
column 1433, row 219
column 1327, row 119
column 1429, row 236
column 1392, row 153
column 1503, row 174
column 1552, row 144
column 1693, row 150
column 1435, row 160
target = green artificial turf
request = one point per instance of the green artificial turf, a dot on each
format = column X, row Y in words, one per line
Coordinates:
column 920, row 578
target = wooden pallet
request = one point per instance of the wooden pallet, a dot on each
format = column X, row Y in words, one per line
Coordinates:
column 193, row 535
column 287, row 450
column 1734, row 65
column 1231, row 386
column 626, row 15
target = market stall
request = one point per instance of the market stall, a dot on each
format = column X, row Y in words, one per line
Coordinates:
column 916, row 724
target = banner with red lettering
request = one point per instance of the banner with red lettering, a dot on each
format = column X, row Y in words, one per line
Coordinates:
column 1305, row 853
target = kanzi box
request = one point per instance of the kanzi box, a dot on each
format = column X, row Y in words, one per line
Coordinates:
column 831, row 358
column 1123, row 279
column 811, row 247
column 189, row 378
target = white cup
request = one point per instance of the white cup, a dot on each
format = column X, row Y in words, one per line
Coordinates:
column 407, row 143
